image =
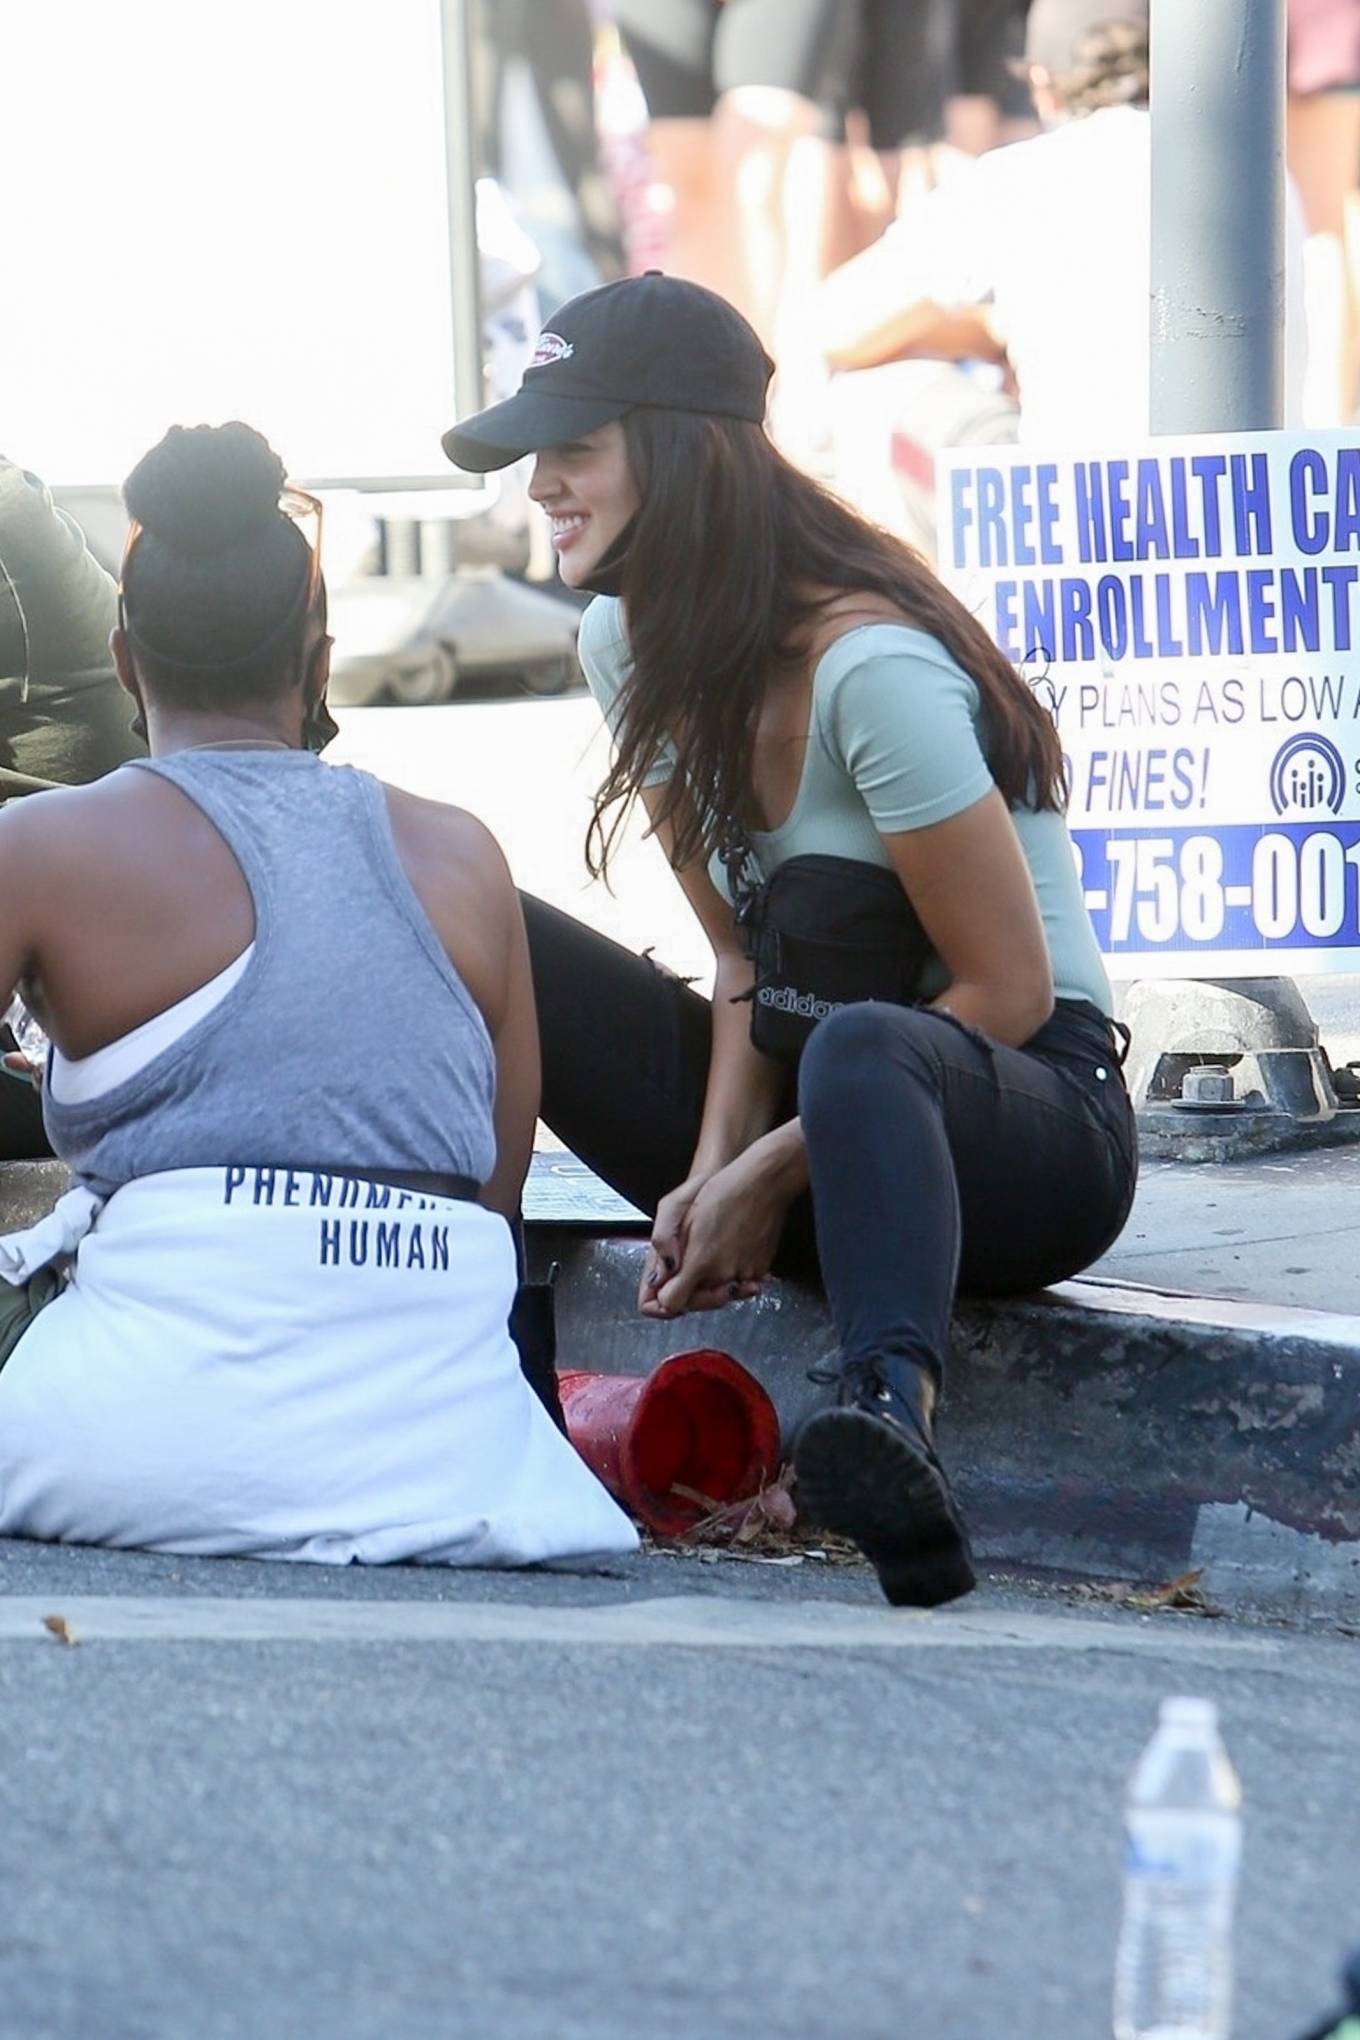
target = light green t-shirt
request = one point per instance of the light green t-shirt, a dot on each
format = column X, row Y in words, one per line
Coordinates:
column 893, row 744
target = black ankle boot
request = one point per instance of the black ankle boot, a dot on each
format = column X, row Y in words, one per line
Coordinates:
column 867, row 1469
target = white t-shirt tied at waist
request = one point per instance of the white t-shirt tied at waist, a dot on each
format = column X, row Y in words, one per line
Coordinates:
column 278, row 1363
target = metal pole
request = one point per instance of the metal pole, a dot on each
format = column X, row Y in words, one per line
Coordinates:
column 1218, row 256
column 461, row 171
column 1217, row 309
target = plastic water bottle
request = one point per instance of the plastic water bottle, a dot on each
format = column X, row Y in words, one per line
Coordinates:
column 29, row 1038
column 1183, row 1838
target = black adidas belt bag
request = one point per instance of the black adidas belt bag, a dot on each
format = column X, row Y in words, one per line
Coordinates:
column 823, row 932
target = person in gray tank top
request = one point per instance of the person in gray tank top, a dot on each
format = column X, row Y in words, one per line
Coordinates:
column 294, row 1071
column 375, row 938
column 350, row 1040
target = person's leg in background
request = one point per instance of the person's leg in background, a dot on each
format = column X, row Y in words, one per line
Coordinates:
column 782, row 70
column 700, row 245
column 534, row 91
column 1324, row 160
column 906, row 67
column 1322, row 138
column 558, row 43
column 670, row 46
column 939, row 1161
column 989, row 105
column 888, row 91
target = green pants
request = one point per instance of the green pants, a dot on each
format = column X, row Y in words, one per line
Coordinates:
column 64, row 719
column 63, row 716
column 20, row 1304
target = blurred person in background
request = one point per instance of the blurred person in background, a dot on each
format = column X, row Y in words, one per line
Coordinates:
column 537, row 91
column 743, row 97
column 933, row 79
column 896, row 107
column 1038, row 256
column 786, row 132
column 1323, row 133
column 64, row 719
column 989, row 102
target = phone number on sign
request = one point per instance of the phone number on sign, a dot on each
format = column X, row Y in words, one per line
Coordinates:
column 1250, row 885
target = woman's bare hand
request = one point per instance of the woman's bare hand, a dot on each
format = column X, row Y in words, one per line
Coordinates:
column 667, row 1244
column 718, row 1240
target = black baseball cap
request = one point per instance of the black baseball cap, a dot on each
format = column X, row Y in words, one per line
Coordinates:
column 1055, row 29
column 651, row 339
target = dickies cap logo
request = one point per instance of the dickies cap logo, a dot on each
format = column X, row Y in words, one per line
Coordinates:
column 551, row 347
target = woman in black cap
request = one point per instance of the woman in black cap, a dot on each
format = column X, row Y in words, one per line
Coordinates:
column 863, row 804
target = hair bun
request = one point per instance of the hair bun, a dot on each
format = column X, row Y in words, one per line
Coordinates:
column 205, row 487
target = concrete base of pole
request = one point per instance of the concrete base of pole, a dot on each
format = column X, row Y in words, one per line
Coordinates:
column 1167, row 1133
column 1256, row 1030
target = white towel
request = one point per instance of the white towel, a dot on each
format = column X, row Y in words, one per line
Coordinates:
column 281, row 1364
column 65, row 1226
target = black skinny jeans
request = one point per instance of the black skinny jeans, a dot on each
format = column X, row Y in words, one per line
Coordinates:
column 939, row 1160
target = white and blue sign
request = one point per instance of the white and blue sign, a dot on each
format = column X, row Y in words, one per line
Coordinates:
column 1188, row 613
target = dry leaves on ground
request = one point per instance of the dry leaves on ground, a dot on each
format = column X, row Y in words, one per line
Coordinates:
column 762, row 1529
column 1179, row 1596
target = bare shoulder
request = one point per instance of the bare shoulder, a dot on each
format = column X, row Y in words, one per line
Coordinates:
column 460, row 876
column 68, row 826
column 437, row 825
column 850, row 609
column 44, row 826
column 448, row 853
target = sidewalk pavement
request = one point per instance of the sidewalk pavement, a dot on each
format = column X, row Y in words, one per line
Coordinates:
column 1279, row 1229
column 1276, row 1229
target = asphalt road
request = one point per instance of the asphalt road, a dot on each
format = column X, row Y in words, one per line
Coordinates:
column 728, row 1800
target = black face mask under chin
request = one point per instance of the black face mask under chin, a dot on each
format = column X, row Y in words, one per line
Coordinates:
column 606, row 576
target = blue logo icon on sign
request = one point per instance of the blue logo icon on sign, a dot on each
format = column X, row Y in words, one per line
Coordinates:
column 1308, row 774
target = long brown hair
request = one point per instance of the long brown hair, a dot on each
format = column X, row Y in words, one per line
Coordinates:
column 727, row 542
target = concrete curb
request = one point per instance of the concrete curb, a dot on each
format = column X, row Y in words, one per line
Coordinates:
column 1098, row 1428
column 28, row 1190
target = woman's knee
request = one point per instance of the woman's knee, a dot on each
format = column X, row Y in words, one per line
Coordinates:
column 852, row 1050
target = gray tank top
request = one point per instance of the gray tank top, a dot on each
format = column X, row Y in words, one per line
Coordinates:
column 349, row 1041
